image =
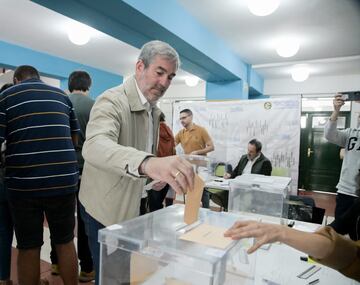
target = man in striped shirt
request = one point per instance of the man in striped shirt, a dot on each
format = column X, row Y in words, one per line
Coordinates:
column 37, row 122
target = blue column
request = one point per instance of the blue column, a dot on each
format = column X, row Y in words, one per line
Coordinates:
column 226, row 90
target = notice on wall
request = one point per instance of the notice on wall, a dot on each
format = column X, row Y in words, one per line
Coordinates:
column 275, row 122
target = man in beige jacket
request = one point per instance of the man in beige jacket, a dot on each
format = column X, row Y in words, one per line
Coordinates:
column 121, row 138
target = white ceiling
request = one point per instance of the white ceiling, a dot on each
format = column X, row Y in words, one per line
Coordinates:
column 328, row 31
column 30, row 25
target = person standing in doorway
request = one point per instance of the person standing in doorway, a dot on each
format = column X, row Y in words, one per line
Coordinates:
column 348, row 186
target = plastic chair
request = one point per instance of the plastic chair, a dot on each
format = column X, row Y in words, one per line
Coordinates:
column 280, row 171
column 220, row 170
column 218, row 196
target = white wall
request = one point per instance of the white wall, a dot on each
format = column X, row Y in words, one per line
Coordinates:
column 180, row 92
column 355, row 115
column 8, row 78
column 327, row 85
column 314, row 85
column 51, row 81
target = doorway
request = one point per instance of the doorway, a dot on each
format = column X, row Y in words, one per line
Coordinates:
column 320, row 162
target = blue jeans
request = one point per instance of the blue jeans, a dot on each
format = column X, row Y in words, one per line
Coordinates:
column 6, row 234
column 92, row 228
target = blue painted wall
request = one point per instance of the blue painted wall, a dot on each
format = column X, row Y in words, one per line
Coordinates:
column 12, row 56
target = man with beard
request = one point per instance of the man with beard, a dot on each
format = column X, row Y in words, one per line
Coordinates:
column 194, row 140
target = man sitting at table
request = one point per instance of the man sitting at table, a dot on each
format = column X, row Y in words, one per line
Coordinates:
column 253, row 162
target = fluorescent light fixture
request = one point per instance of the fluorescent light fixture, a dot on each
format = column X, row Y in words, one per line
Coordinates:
column 79, row 34
column 262, row 7
column 300, row 73
column 191, row 81
column 287, row 47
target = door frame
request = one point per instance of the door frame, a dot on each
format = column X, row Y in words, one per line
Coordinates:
column 305, row 143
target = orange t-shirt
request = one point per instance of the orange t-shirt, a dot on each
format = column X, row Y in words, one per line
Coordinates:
column 193, row 139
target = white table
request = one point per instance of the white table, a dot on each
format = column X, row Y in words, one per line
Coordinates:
column 281, row 264
column 219, row 183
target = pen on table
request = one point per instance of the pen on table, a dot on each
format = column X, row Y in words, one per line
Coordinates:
column 314, row 282
column 307, row 259
column 269, row 282
column 291, row 224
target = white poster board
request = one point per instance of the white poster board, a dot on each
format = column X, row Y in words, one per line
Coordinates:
column 231, row 125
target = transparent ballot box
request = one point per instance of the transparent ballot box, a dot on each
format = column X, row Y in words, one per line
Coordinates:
column 158, row 248
column 259, row 194
column 203, row 166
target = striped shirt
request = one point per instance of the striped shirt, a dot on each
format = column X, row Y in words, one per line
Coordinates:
column 37, row 122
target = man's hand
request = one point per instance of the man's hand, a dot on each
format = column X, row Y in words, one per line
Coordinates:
column 195, row 152
column 159, row 186
column 338, row 102
column 227, row 175
column 173, row 170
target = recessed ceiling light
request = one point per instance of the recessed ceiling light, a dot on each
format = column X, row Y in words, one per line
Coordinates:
column 191, row 81
column 300, row 73
column 263, row 7
column 79, row 34
column 287, row 47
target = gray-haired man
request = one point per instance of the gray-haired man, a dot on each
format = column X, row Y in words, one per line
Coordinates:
column 121, row 136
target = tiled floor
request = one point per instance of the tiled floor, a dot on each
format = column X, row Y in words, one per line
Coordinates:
column 45, row 265
column 45, row 270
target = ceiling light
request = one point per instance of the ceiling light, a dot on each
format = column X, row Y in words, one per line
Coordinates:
column 263, row 7
column 300, row 73
column 287, row 47
column 79, row 34
column 191, row 81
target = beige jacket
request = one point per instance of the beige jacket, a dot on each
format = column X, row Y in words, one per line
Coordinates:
column 113, row 150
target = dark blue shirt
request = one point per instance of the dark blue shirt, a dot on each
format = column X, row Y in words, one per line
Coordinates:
column 37, row 121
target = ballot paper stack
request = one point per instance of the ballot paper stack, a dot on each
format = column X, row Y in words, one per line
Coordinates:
column 160, row 248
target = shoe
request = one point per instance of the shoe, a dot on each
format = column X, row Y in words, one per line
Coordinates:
column 55, row 269
column 86, row 276
column 6, row 282
column 44, row 282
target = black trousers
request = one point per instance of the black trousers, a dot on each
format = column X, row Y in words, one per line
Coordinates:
column 156, row 198
column 349, row 223
column 343, row 204
column 84, row 254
